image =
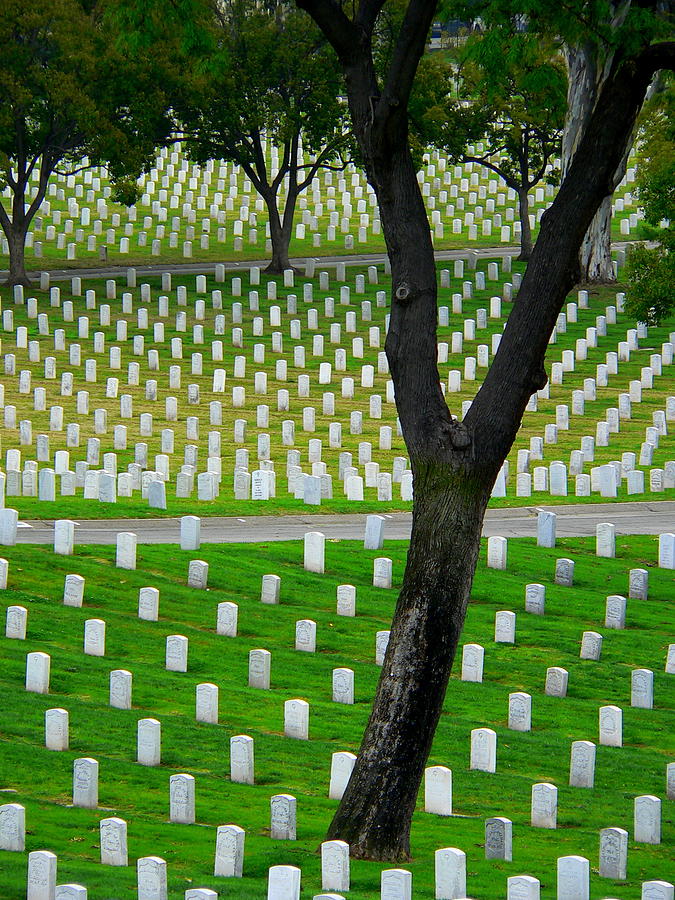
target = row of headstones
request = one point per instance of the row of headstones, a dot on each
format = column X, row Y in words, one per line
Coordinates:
column 572, row 881
column 604, row 479
column 605, row 546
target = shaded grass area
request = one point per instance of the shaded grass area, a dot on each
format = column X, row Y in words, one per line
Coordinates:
column 42, row 780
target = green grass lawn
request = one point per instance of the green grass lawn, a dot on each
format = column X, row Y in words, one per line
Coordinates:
column 42, row 780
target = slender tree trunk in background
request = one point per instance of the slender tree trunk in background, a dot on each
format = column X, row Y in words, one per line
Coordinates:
column 281, row 228
column 454, row 464
column 16, row 239
column 525, row 229
column 586, row 76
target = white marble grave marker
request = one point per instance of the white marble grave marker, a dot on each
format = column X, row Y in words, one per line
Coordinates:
column 438, row 790
column 12, row 827
column 610, row 726
column 647, row 819
column 283, row 883
column 242, row 763
column 544, row 808
column 41, row 880
column 229, row 857
column 282, row 817
column 342, row 764
column 314, row 555
column 259, row 666
column 182, row 799
column 573, row 878
column 113, row 840
column 85, row 782
column 148, row 742
column 335, row 866
column 450, row 873
column 151, row 878
column 582, row 764
column 483, row 750
column 396, row 884
column 613, row 853
column 37, row 672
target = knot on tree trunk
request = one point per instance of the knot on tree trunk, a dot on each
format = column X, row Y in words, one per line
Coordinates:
column 539, row 379
column 458, row 434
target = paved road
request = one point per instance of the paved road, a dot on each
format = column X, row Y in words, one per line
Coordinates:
column 577, row 520
column 320, row 262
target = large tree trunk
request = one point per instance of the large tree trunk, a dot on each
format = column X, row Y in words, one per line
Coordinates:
column 454, row 464
column 450, row 498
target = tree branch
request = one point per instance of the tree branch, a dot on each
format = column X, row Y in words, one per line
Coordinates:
column 332, row 21
column 408, row 51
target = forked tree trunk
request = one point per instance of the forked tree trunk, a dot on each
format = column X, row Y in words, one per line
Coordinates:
column 281, row 230
column 454, row 465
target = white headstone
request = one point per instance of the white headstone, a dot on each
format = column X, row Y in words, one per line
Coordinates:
column 41, row 880
column 335, row 866
column 573, row 878
column 647, row 819
column 438, row 790
column 613, row 853
column 148, row 742
column 342, row 764
column 282, row 817
column 259, row 666
column 12, row 827
column 151, row 878
column 229, row 857
column 544, row 809
column 113, row 841
column 396, row 884
column 283, row 883
column 450, row 873
column 483, row 749
column 85, row 782
column 582, row 764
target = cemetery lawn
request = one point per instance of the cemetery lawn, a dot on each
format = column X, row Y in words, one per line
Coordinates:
column 41, row 780
column 113, row 384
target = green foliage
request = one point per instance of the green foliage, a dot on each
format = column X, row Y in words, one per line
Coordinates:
column 68, row 90
column 270, row 72
column 512, row 92
column 651, row 270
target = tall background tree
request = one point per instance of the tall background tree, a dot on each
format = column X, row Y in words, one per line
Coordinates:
column 511, row 97
column 455, row 464
column 68, row 90
column 651, row 269
column 270, row 81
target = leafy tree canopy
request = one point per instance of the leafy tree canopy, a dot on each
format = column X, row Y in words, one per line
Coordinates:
column 651, row 270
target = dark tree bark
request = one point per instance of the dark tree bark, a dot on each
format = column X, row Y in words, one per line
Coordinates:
column 16, row 227
column 454, row 464
column 281, row 228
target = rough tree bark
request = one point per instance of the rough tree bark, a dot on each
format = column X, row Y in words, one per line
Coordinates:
column 586, row 71
column 15, row 227
column 454, row 464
